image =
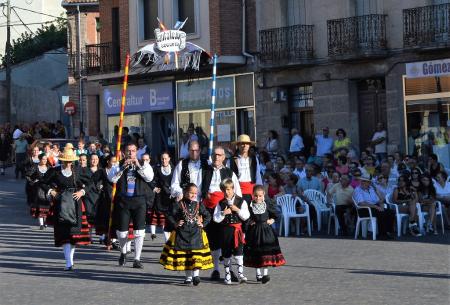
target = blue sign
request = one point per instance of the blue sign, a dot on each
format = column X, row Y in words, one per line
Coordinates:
column 141, row 98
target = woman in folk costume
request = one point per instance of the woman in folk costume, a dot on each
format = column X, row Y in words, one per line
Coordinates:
column 262, row 249
column 70, row 223
column 29, row 164
column 187, row 248
column 162, row 180
column 39, row 204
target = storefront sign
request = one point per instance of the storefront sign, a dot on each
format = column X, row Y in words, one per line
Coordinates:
column 197, row 95
column 170, row 40
column 142, row 98
column 428, row 68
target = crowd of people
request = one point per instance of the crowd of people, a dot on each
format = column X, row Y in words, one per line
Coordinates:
column 211, row 211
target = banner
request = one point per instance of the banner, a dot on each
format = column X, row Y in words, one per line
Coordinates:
column 428, row 68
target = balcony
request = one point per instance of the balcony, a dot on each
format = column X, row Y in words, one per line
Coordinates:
column 426, row 27
column 101, row 58
column 357, row 37
column 286, row 45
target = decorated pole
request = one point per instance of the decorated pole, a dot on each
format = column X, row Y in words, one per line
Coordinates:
column 213, row 106
column 118, row 143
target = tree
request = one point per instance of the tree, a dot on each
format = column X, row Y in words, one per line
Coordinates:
column 48, row 37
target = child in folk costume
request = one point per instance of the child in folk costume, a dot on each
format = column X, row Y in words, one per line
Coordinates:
column 231, row 212
column 262, row 249
column 187, row 248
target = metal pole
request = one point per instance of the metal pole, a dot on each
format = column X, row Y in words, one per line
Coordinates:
column 9, row 109
column 119, row 141
column 213, row 106
column 79, row 67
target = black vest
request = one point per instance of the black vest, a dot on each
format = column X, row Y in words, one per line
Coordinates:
column 141, row 189
column 233, row 217
column 207, row 174
column 253, row 163
column 185, row 178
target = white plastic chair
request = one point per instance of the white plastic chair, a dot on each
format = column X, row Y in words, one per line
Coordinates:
column 440, row 212
column 399, row 216
column 422, row 219
column 333, row 216
column 319, row 201
column 288, row 209
column 364, row 222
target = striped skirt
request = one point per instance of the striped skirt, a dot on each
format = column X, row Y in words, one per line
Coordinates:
column 179, row 260
column 63, row 235
column 156, row 218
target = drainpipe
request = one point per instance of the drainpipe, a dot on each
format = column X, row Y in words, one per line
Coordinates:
column 244, row 37
column 80, row 89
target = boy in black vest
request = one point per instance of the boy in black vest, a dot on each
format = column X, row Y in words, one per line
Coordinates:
column 231, row 212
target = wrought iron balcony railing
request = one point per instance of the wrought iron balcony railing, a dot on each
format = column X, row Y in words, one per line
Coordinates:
column 427, row 26
column 359, row 36
column 291, row 44
column 102, row 58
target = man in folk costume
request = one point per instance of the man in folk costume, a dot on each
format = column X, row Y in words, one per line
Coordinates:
column 246, row 167
column 212, row 195
column 187, row 171
column 132, row 180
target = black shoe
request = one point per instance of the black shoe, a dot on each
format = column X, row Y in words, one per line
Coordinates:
column 265, row 279
column 153, row 236
column 115, row 245
column 122, row 259
column 259, row 278
column 215, row 276
column 41, row 228
column 196, row 280
column 68, row 268
column 188, row 282
column 234, row 278
column 137, row 264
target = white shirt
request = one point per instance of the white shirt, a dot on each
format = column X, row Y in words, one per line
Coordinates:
column 146, row 172
column 243, row 165
column 324, row 145
column 296, row 143
column 300, row 174
column 243, row 214
column 184, row 150
column 195, row 176
column 380, row 148
column 442, row 191
column 217, row 179
column 140, row 152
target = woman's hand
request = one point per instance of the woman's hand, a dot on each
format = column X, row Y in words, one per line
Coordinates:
column 199, row 223
column 180, row 223
column 157, row 190
column 77, row 195
column 226, row 211
column 53, row 193
column 270, row 221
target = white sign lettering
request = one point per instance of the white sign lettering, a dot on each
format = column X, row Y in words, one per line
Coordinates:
column 170, row 40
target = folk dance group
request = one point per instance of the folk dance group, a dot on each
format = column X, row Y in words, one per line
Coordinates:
column 209, row 212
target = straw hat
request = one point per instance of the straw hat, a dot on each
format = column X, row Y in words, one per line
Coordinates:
column 243, row 138
column 365, row 177
column 68, row 154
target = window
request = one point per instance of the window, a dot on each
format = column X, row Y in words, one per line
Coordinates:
column 148, row 12
column 367, row 7
column 296, row 12
column 186, row 9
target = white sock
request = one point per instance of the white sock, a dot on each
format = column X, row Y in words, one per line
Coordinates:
column 258, row 272
column 227, row 264
column 123, row 238
column 66, row 250
column 72, row 253
column 240, row 261
column 196, row 272
column 189, row 274
column 265, row 271
column 166, row 236
column 216, row 258
column 138, row 243
column 128, row 246
column 152, row 229
column 41, row 221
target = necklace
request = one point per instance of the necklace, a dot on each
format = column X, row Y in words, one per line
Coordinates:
column 258, row 208
column 190, row 217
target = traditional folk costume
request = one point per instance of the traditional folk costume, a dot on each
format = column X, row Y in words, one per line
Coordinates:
column 262, row 249
column 131, row 204
column 212, row 195
column 29, row 165
column 40, row 205
column 69, row 215
column 187, row 171
column 247, row 170
column 161, row 204
column 232, row 240
column 187, row 248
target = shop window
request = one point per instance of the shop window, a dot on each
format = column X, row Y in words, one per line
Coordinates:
column 186, row 9
column 148, row 11
column 244, row 90
column 134, row 122
column 427, row 85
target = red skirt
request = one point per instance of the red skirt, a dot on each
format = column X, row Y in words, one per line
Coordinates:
column 156, row 218
column 38, row 212
column 63, row 236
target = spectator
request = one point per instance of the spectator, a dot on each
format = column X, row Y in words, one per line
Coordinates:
column 434, row 167
column 299, row 170
column 296, row 147
column 203, row 141
column 427, row 199
column 184, row 146
column 93, row 150
column 356, row 174
column 411, row 163
column 101, row 140
column 59, row 131
column 366, row 195
column 20, row 150
column 126, row 137
column 81, row 150
column 274, row 186
column 379, row 142
column 5, row 150
column 341, row 193
column 290, row 186
column 342, row 166
column 272, row 145
column 280, row 162
column 142, row 149
column 442, row 187
column 324, row 143
column 191, row 133
column 392, row 165
column 335, row 178
column 310, row 182
column 406, row 198
column 342, row 141
column 263, row 159
column 369, row 166
column 313, row 157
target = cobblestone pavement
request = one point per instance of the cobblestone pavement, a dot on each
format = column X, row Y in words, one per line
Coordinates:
column 319, row 270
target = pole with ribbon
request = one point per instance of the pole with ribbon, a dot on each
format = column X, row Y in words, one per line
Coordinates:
column 118, row 143
column 213, row 106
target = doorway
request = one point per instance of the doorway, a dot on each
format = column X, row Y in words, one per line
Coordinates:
column 163, row 135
